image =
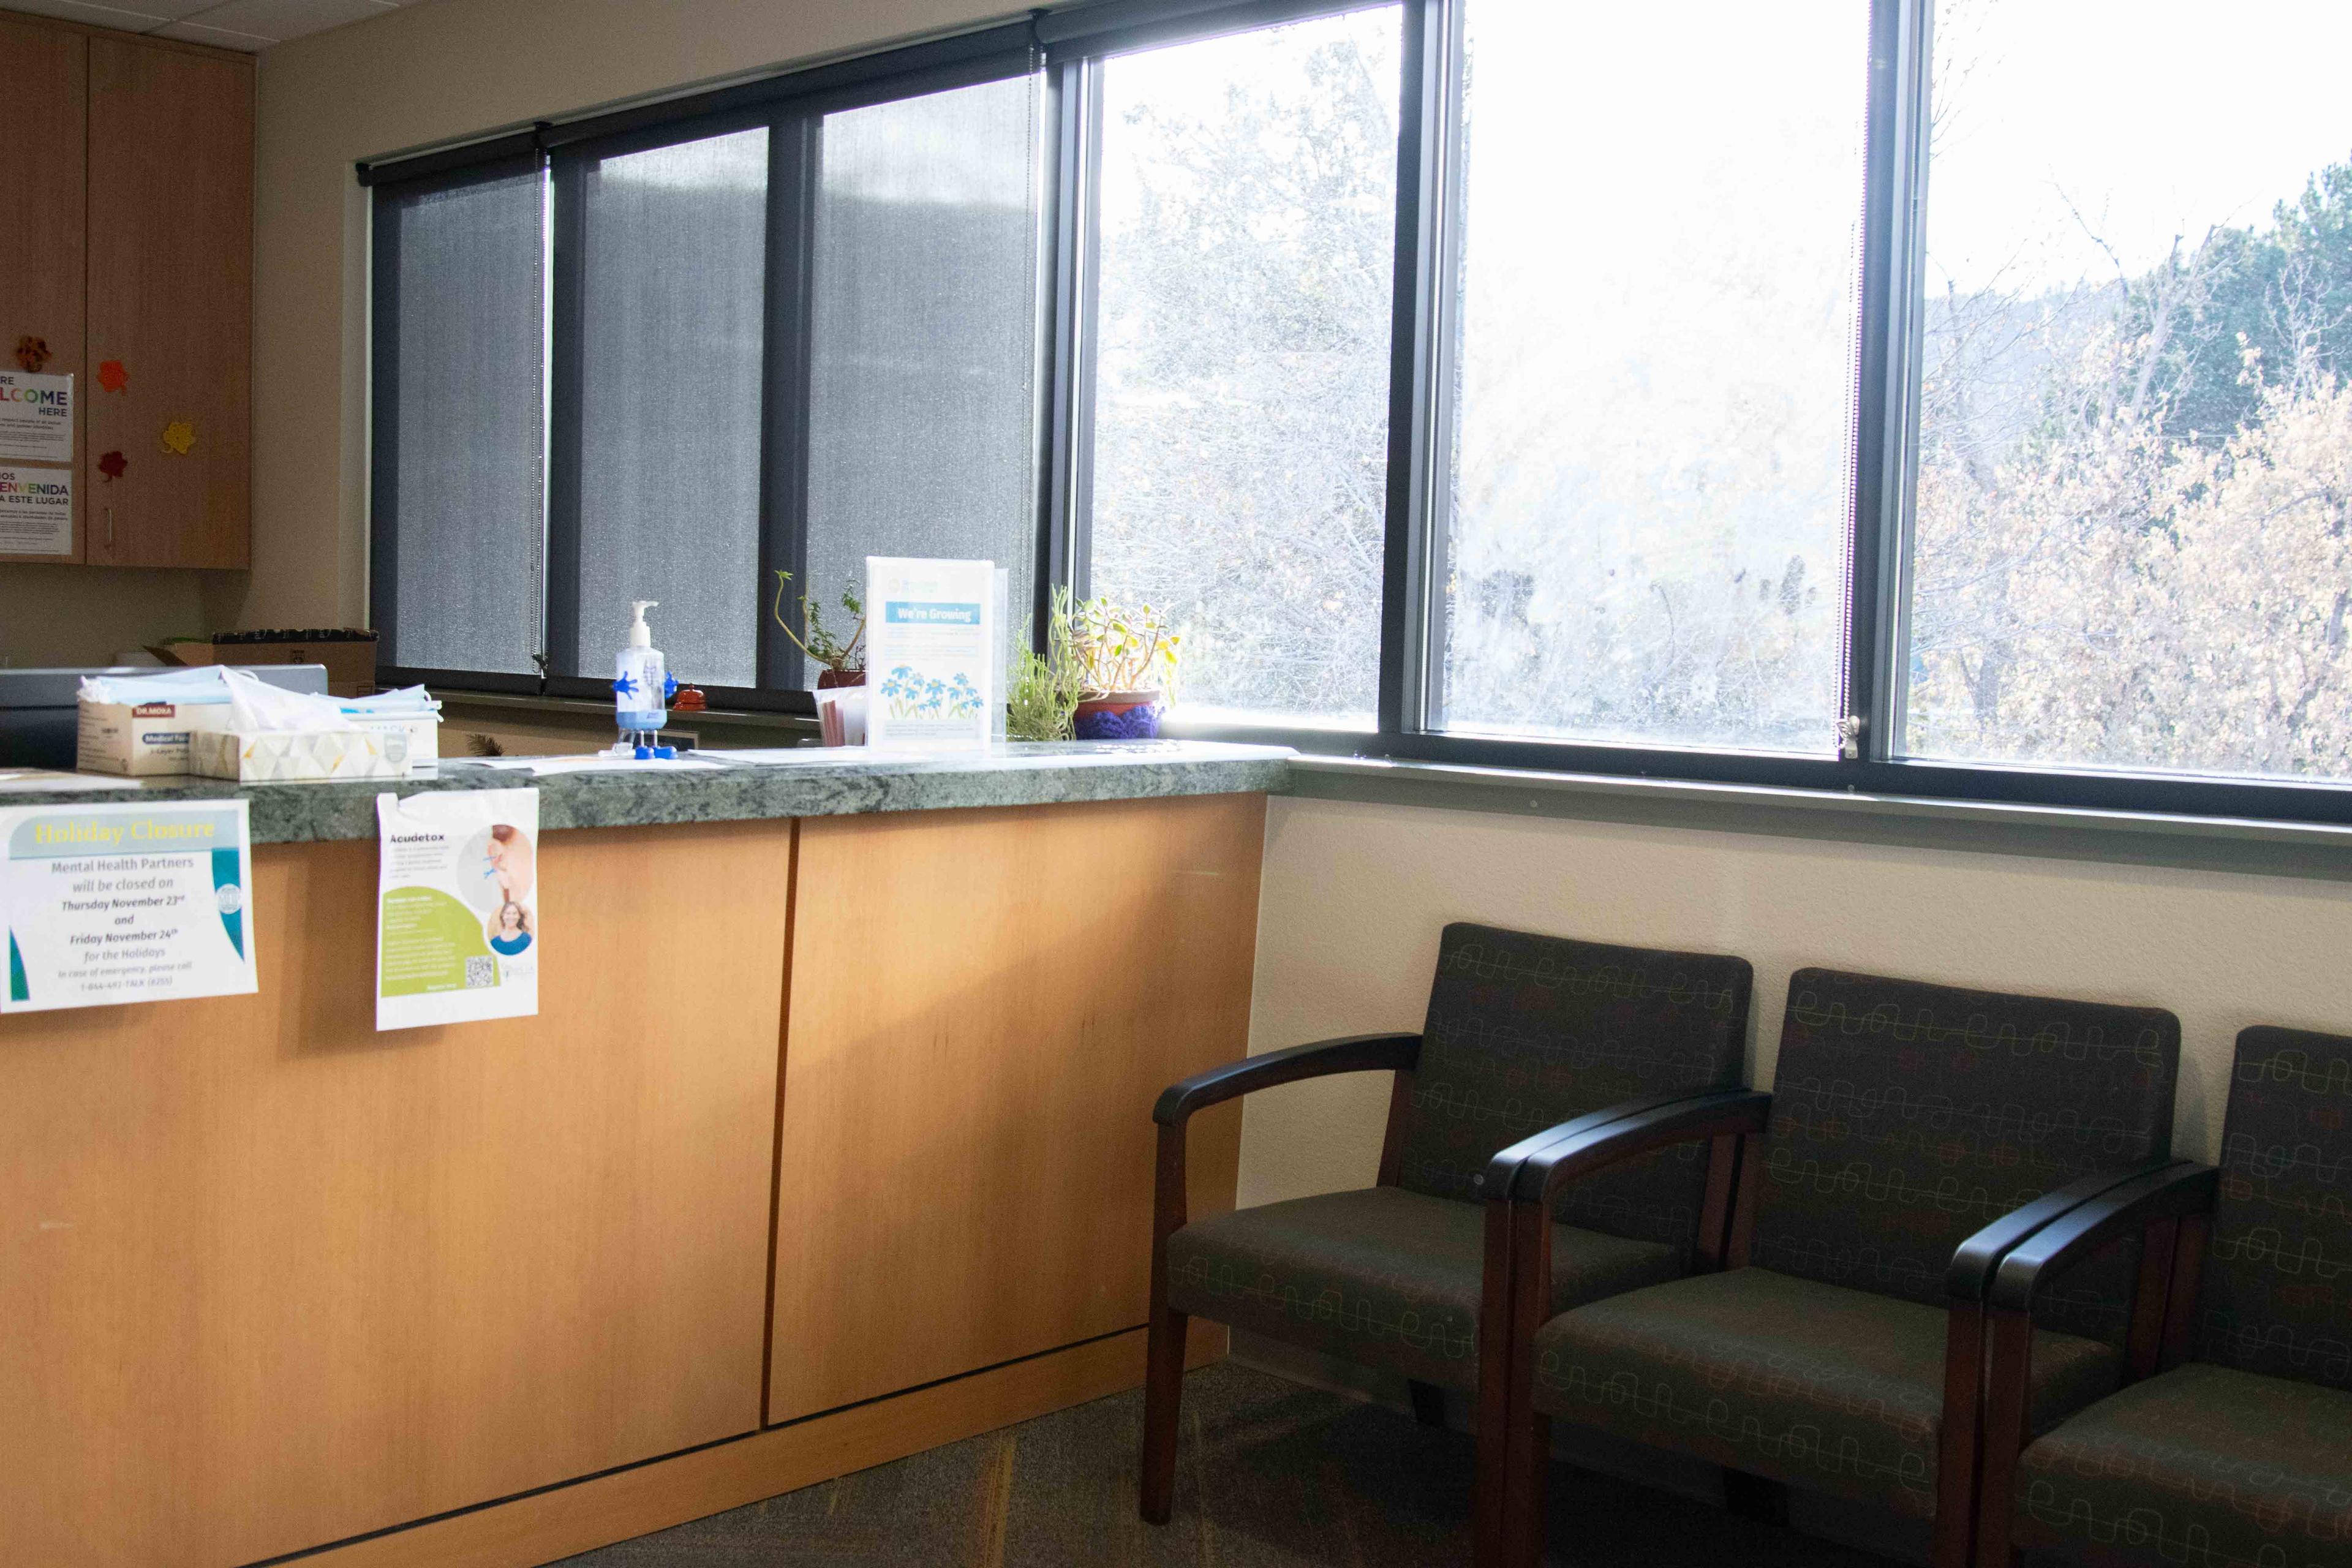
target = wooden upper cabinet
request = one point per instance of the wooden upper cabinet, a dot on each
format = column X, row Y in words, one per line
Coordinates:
column 47, row 73
column 170, row 184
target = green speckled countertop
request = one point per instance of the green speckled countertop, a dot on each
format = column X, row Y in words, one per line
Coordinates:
column 810, row 781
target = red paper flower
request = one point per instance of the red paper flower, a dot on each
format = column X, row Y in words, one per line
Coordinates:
column 113, row 376
column 112, row 465
column 32, row 354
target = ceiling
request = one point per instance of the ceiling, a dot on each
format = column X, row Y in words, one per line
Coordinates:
column 246, row 25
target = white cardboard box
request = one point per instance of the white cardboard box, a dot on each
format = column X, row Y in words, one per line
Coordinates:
column 283, row 755
column 151, row 738
column 134, row 740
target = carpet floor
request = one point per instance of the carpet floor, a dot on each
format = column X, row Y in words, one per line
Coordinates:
column 1272, row 1475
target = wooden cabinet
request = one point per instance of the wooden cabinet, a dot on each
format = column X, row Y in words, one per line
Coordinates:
column 46, row 72
column 170, row 297
column 269, row 1279
column 984, row 1005
column 130, row 241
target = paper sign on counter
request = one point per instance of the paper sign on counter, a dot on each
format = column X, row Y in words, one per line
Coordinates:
column 122, row 902
column 457, row 936
column 932, row 653
column 37, row 418
column 35, row 511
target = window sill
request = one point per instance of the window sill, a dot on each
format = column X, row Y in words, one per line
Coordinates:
column 2199, row 843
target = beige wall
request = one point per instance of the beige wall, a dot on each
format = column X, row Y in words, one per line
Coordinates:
column 84, row 615
column 424, row 73
column 1354, row 896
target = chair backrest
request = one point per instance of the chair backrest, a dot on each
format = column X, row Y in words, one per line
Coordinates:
column 1906, row 1116
column 2277, row 1296
column 1527, row 1031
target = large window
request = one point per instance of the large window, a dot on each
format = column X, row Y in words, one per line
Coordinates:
column 1246, row 206
column 2134, row 524
column 1658, row 278
column 1941, row 398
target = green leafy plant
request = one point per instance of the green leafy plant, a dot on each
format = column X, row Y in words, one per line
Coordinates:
column 1044, row 688
column 1124, row 649
column 820, row 643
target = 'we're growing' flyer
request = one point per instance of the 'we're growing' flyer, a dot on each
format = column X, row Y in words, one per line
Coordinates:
column 934, row 644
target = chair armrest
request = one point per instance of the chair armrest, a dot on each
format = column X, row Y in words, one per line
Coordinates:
column 1502, row 1170
column 1972, row 1266
column 1684, row 1119
column 1351, row 1053
column 2178, row 1189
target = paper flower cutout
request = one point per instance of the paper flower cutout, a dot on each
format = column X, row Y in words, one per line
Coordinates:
column 112, row 465
column 113, row 376
column 178, row 437
column 32, row 354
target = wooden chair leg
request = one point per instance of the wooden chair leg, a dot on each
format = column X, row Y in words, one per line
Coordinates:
column 1428, row 1402
column 1527, row 1479
column 1164, row 1402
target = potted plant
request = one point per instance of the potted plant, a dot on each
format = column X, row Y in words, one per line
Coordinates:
column 1043, row 689
column 838, row 662
column 1127, row 661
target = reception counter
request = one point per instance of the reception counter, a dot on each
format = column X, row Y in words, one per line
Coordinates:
column 829, row 1142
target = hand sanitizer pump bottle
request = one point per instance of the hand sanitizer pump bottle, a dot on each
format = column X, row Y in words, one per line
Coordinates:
column 641, row 688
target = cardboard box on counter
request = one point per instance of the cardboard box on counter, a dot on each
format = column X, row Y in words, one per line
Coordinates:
column 285, row 755
column 349, row 653
column 155, row 738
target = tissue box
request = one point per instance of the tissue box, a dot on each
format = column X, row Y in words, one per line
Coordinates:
column 134, row 740
column 273, row 755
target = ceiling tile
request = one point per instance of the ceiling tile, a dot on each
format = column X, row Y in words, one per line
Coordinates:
column 146, row 17
column 250, row 23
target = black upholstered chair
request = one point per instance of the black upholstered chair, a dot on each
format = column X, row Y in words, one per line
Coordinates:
column 1915, row 1132
column 1523, row 1032
column 2238, row 1453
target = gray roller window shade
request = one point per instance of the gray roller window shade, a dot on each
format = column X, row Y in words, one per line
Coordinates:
column 460, row 458
column 923, row 322
column 672, row 291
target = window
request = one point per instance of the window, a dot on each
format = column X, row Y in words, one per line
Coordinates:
column 460, row 443
column 2131, row 545
column 1942, row 397
column 1246, row 201
column 1653, row 403
column 666, row 354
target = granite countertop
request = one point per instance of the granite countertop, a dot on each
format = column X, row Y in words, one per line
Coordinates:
column 807, row 782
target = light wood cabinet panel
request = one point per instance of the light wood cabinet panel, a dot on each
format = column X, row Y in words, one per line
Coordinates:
column 45, row 70
column 984, row 1006
column 170, row 297
column 269, row 1279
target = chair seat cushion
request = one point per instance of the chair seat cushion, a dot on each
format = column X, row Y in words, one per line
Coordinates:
column 1838, row 1390
column 2202, row 1465
column 1382, row 1276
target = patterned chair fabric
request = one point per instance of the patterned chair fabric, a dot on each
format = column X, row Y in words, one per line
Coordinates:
column 2204, row 1466
column 1527, row 1031
column 2277, row 1294
column 1523, row 1032
column 1904, row 1119
column 2244, row 1455
column 1381, row 1277
column 1836, row 1390
column 1907, row 1117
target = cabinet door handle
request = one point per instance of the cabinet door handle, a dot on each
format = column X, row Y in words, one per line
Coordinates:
column 109, row 528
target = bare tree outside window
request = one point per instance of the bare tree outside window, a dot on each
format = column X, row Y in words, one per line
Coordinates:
column 1248, row 202
column 2133, row 542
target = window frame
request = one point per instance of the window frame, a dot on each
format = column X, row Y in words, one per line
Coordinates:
column 1066, row 45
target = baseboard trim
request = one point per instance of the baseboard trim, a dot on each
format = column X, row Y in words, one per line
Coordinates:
column 619, row 1505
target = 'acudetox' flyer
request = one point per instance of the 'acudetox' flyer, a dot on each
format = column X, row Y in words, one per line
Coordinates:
column 457, row 937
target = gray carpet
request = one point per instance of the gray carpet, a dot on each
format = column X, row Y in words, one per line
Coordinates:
column 1273, row 1475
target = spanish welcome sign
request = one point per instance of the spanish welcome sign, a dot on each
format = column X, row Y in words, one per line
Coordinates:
column 122, row 902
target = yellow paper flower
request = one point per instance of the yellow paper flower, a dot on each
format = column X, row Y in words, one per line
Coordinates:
column 178, row 437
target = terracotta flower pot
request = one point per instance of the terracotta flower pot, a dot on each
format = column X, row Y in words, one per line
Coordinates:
column 1119, row 716
column 828, row 679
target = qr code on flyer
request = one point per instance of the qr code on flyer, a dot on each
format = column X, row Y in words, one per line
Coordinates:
column 481, row 971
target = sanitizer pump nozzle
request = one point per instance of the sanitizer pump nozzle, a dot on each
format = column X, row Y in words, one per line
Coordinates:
column 641, row 688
